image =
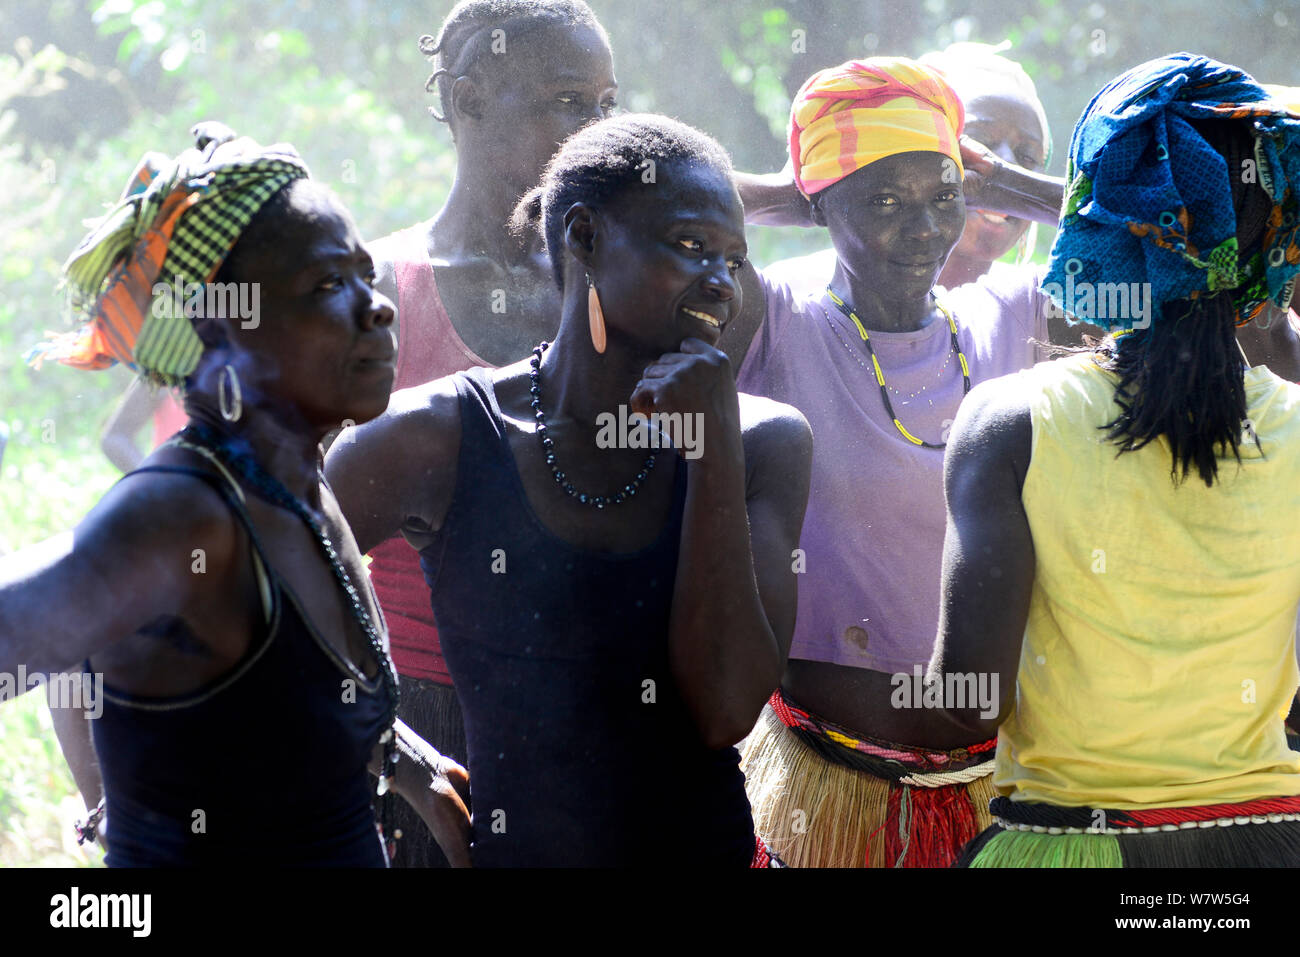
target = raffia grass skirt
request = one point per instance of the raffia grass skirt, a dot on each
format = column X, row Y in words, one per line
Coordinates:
column 814, row 813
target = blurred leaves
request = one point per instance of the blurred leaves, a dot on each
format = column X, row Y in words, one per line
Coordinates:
column 87, row 86
column 37, row 796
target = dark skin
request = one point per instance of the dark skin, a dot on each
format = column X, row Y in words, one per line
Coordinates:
column 886, row 299
column 321, row 352
column 658, row 258
column 989, row 183
column 1010, row 126
column 893, row 224
column 985, row 602
column 547, row 85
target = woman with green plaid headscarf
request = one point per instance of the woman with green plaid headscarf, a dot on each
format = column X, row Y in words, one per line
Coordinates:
column 235, row 661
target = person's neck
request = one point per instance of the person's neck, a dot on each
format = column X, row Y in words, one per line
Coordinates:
column 877, row 312
column 578, row 384
column 471, row 223
column 959, row 270
column 290, row 455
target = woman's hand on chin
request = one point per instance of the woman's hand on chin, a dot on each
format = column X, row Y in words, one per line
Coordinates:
column 696, row 381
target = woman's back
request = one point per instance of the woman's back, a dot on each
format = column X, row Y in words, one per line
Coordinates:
column 1159, row 654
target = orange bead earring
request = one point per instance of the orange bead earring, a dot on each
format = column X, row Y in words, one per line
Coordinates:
column 595, row 317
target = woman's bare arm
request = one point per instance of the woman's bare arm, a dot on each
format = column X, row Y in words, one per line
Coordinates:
column 399, row 469
column 734, row 596
column 436, row 787
column 127, row 563
column 773, row 199
column 118, row 440
column 72, row 727
column 988, row 560
column 993, row 184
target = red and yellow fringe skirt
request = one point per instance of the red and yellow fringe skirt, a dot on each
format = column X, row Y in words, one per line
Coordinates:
column 823, row 796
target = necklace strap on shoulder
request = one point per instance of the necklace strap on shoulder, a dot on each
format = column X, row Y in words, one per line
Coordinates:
column 208, row 454
column 259, row 566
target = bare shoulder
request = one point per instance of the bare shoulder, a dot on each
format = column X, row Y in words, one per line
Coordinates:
column 156, row 544
column 145, row 534
column 400, row 467
column 778, row 442
column 999, row 403
column 427, row 411
column 768, row 421
column 994, row 424
column 420, row 424
column 152, row 506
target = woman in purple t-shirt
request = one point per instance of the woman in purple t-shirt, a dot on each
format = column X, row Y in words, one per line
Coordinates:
column 878, row 365
column 1004, row 113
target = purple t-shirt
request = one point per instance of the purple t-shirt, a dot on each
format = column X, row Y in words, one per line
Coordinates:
column 873, row 535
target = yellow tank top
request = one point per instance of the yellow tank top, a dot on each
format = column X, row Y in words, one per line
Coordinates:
column 1159, row 656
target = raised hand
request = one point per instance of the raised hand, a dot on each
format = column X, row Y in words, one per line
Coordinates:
column 695, row 381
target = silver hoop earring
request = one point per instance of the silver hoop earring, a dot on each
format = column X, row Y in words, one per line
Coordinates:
column 233, row 413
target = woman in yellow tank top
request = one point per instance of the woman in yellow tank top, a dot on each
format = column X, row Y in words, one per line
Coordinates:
column 1122, row 563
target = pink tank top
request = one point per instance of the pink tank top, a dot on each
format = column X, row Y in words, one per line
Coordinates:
column 168, row 419
column 428, row 348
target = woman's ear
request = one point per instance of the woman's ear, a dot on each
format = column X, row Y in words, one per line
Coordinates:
column 580, row 231
column 466, row 100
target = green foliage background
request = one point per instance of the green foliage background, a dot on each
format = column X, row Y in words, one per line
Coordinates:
column 87, row 86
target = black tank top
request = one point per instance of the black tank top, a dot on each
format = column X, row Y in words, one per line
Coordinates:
column 267, row 765
column 581, row 750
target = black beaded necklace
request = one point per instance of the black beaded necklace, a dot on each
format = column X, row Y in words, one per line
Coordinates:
column 548, row 448
column 270, row 488
column 880, row 375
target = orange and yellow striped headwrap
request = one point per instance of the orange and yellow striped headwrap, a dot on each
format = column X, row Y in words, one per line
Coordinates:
column 851, row 115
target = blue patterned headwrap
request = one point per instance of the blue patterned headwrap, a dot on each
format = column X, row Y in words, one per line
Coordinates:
column 1148, row 208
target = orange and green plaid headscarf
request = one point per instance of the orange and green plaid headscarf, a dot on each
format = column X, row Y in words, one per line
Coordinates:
column 175, row 224
column 849, row 116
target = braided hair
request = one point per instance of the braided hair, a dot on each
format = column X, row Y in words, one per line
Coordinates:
column 1184, row 379
column 472, row 26
column 601, row 161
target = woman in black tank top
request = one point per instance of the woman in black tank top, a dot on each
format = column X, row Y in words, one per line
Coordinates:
column 614, row 612
column 241, row 681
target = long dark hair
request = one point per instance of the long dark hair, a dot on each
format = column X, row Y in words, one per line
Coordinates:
column 1182, row 377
